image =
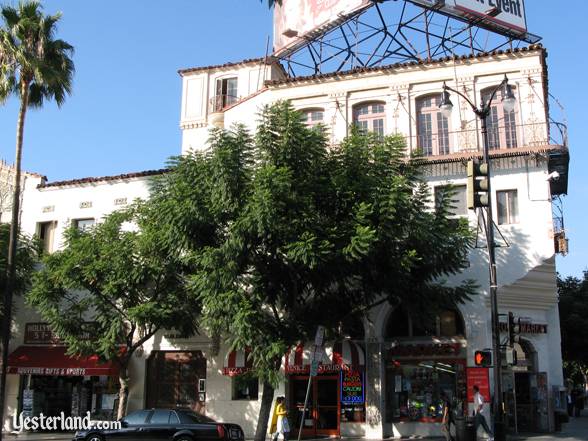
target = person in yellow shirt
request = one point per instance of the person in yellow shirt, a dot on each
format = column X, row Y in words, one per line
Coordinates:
column 279, row 424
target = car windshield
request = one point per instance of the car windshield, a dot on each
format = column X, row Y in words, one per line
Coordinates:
column 192, row 417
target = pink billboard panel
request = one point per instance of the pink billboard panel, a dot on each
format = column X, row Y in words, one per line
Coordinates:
column 295, row 19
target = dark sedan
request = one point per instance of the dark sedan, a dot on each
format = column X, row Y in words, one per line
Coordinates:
column 165, row 424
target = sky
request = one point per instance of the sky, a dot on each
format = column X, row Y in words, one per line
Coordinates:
column 123, row 115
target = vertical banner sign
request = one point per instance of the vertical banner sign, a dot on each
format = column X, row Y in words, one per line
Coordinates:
column 352, row 387
column 481, row 378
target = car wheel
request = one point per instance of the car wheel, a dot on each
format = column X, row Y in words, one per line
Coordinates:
column 94, row 437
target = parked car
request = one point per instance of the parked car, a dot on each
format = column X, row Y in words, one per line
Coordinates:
column 165, row 424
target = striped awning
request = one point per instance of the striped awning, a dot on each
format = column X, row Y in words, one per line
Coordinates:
column 333, row 357
column 237, row 363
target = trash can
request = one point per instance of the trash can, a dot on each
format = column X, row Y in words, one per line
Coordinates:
column 465, row 429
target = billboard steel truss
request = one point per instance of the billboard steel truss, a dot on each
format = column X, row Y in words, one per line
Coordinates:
column 398, row 31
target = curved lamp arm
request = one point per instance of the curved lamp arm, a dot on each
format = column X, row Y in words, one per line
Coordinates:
column 483, row 111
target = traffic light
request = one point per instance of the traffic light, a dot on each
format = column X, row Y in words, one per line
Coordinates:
column 514, row 329
column 483, row 358
column 478, row 184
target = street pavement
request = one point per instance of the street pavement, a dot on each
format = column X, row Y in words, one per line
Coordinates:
column 575, row 430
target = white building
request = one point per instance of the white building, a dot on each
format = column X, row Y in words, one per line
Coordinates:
column 401, row 368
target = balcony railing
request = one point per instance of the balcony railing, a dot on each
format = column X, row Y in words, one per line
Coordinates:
column 219, row 103
column 501, row 137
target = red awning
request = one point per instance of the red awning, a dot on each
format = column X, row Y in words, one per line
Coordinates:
column 334, row 357
column 237, row 363
column 52, row 360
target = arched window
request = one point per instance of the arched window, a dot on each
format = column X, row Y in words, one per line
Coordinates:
column 370, row 117
column 432, row 127
column 312, row 117
column 502, row 125
column 448, row 323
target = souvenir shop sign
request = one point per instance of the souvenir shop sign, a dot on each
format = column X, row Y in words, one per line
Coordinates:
column 425, row 350
column 352, row 387
column 41, row 333
column 478, row 377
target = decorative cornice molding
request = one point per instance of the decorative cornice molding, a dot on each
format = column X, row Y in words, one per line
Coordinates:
column 193, row 125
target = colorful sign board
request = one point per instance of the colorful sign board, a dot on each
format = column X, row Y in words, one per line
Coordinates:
column 297, row 20
column 478, row 377
column 352, row 387
column 498, row 15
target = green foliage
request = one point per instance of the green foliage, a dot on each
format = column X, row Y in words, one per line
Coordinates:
column 573, row 317
column 27, row 255
column 278, row 229
column 120, row 277
column 30, row 56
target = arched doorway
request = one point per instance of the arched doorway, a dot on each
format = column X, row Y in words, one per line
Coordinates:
column 526, row 391
column 425, row 358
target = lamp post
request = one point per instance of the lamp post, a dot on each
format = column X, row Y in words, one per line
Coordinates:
column 508, row 102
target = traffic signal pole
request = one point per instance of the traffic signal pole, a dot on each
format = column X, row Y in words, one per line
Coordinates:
column 498, row 405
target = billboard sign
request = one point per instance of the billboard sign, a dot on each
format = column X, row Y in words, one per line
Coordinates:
column 297, row 20
column 497, row 15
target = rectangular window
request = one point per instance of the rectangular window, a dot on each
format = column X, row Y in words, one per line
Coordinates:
column 425, row 130
column 46, row 232
column 508, row 209
column 442, row 134
column 378, row 128
column 245, row 388
column 458, row 198
column 226, row 92
column 83, row 224
column 493, row 130
column 510, row 129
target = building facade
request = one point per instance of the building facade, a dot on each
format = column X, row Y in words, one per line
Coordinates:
column 387, row 376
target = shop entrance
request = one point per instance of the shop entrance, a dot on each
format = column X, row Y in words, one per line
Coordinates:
column 322, row 416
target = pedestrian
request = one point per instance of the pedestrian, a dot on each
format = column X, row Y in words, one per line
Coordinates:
column 479, row 418
column 280, row 423
column 447, row 419
column 570, row 401
column 579, row 402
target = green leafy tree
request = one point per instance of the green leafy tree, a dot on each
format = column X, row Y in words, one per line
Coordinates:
column 573, row 317
column 278, row 229
column 34, row 67
column 119, row 283
column 27, row 255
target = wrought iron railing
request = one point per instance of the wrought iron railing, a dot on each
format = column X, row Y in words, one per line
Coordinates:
column 502, row 137
column 219, row 103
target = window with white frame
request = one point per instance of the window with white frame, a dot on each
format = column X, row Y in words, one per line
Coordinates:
column 226, row 93
column 370, row 117
column 432, row 127
column 457, row 195
column 83, row 224
column 501, row 125
column 312, row 117
column 507, row 207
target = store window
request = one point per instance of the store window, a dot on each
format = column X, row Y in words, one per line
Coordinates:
column 369, row 117
column 416, row 387
column 457, row 195
column 501, row 125
column 176, row 379
column 432, row 127
column 245, row 387
column 508, row 207
column 312, row 117
column 448, row 323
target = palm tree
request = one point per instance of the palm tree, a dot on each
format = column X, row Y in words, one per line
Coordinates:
column 34, row 66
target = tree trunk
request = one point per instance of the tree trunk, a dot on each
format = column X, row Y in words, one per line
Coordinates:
column 123, row 394
column 12, row 246
column 264, row 411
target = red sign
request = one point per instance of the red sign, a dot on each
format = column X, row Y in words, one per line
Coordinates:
column 478, row 377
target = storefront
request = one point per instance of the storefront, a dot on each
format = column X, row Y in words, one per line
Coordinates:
column 176, row 379
column 52, row 382
column 336, row 404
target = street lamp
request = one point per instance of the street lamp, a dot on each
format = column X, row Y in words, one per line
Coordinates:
column 508, row 103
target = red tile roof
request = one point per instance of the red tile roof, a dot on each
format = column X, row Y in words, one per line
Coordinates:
column 357, row 70
column 267, row 61
column 92, row 180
